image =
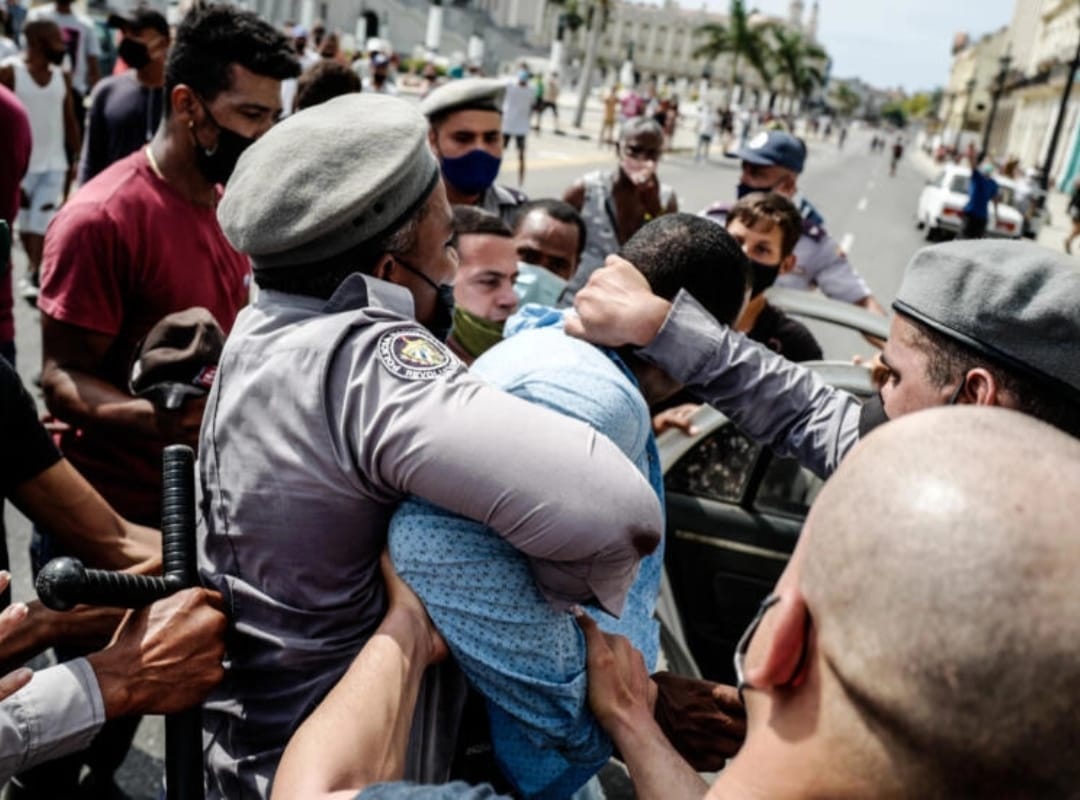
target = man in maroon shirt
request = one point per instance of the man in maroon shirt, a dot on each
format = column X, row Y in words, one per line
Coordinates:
column 14, row 159
column 140, row 241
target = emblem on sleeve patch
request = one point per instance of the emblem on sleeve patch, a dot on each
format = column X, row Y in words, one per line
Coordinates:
column 414, row 355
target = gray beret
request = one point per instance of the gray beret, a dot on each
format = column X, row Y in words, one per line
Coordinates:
column 328, row 179
column 1016, row 303
column 483, row 94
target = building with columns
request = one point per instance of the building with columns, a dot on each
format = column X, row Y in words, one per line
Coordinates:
column 658, row 39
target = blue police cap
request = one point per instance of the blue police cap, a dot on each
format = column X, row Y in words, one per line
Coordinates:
column 774, row 148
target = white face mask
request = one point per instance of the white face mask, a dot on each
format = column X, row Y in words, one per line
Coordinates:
column 538, row 285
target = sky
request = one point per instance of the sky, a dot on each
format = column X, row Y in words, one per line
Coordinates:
column 890, row 43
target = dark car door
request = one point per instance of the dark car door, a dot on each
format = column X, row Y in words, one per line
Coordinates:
column 734, row 514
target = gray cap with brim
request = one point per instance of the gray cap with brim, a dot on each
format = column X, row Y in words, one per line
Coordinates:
column 328, row 179
column 1015, row 303
column 467, row 94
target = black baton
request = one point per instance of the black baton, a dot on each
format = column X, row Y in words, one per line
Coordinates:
column 65, row 583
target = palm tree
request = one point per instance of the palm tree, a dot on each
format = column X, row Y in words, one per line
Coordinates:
column 798, row 61
column 739, row 37
column 846, row 98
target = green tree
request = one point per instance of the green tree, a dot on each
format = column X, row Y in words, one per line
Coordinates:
column 846, row 99
column 797, row 62
column 744, row 41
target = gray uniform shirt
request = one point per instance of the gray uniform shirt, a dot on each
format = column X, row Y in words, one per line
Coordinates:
column 502, row 202
column 819, row 260
column 772, row 400
column 57, row 713
column 323, row 415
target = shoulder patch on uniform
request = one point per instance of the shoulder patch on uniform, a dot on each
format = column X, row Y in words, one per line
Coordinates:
column 814, row 230
column 414, row 355
column 717, row 212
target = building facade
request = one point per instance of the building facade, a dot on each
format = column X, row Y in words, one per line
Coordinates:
column 1027, row 65
column 658, row 40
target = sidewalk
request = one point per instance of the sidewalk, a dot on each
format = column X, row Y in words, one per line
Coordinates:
column 1053, row 233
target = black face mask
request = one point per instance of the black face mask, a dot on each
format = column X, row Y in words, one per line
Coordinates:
column 56, row 57
column 873, row 410
column 135, row 54
column 763, row 276
column 217, row 164
column 443, row 319
column 742, row 190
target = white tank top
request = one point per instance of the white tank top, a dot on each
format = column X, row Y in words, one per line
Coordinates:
column 45, row 107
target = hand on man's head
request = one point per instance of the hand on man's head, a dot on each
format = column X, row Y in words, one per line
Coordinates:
column 616, row 307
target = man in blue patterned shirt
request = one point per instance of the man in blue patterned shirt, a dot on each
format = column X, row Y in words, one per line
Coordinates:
column 522, row 653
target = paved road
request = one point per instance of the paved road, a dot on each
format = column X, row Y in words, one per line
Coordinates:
column 867, row 210
column 869, row 213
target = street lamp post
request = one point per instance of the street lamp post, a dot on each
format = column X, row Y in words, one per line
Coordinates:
column 964, row 115
column 1044, row 178
column 999, row 87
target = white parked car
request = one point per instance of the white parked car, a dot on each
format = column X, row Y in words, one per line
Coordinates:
column 941, row 206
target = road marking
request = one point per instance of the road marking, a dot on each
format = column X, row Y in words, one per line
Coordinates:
column 847, row 243
column 862, row 204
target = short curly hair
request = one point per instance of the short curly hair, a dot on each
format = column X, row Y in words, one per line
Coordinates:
column 212, row 38
column 684, row 251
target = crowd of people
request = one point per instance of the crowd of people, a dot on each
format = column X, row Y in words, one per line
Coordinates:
column 425, row 406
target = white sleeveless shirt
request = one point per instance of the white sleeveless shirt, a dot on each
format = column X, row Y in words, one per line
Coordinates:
column 45, row 107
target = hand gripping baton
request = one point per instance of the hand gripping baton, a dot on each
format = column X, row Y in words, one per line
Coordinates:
column 65, row 583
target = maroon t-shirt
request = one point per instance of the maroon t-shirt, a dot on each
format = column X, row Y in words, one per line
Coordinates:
column 123, row 253
column 14, row 159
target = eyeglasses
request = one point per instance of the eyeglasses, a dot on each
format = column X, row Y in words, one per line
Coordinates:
column 744, row 644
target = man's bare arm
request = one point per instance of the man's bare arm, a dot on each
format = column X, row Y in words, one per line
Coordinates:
column 62, row 502
column 575, row 195
column 358, row 734
column 621, row 695
column 71, row 355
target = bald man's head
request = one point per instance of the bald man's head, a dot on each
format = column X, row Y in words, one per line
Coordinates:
column 941, row 569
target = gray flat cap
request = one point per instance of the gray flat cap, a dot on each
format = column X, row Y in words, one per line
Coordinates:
column 328, row 179
column 1016, row 303
column 477, row 94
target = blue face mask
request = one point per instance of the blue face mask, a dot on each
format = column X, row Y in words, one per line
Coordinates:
column 472, row 173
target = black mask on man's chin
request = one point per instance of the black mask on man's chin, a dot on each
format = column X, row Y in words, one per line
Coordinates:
column 873, row 413
column 217, row 164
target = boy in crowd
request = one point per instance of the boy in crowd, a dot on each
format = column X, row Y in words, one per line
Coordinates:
column 767, row 226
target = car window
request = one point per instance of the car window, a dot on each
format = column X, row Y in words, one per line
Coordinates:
column 716, row 468
column 938, row 180
column 959, row 184
column 1005, row 195
column 788, row 488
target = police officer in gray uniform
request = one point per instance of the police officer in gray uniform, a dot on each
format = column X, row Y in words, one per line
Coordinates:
column 773, row 161
column 466, row 134
column 982, row 322
column 333, row 401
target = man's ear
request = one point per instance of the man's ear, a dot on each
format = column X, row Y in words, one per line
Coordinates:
column 183, row 102
column 384, row 267
column 788, row 264
column 783, row 634
column 981, row 388
column 433, row 140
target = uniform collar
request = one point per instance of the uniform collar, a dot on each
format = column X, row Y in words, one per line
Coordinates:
column 364, row 291
column 355, row 292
